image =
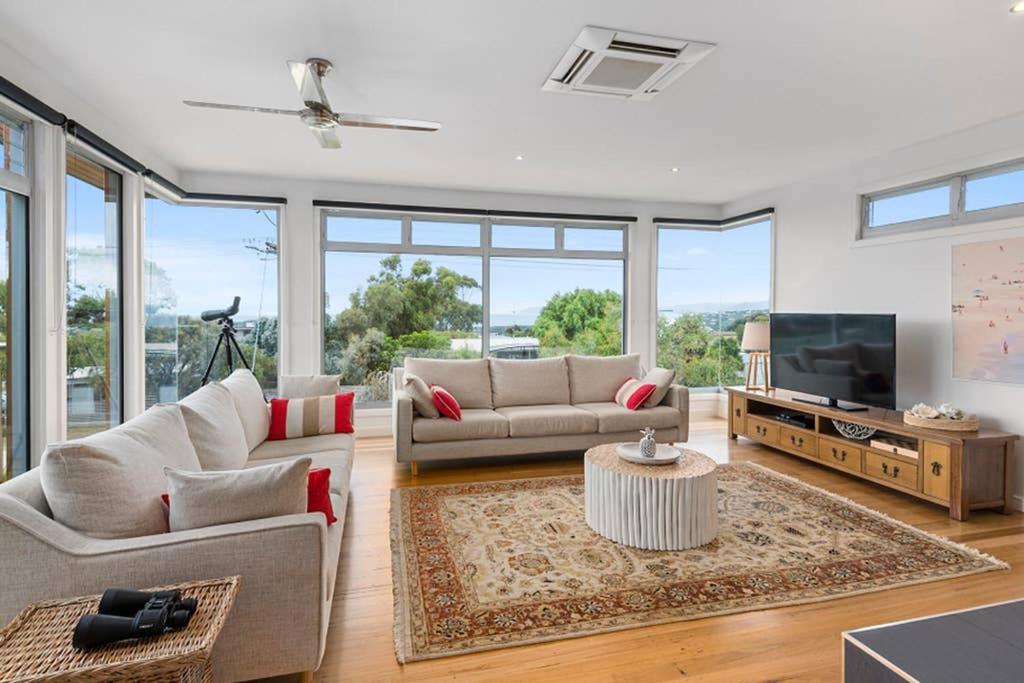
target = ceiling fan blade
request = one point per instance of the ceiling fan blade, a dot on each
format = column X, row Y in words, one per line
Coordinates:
column 241, row 107
column 388, row 122
column 308, row 77
column 327, row 138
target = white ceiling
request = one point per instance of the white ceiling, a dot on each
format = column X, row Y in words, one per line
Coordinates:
column 796, row 86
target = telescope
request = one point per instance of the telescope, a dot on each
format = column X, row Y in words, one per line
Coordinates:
column 222, row 314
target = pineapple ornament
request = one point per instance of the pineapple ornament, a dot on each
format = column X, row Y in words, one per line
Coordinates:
column 648, row 446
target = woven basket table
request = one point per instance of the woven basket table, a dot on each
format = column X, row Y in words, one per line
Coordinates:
column 36, row 646
column 654, row 507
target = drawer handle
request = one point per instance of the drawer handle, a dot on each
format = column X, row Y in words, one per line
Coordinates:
column 895, row 470
column 936, row 468
column 796, row 441
column 737, row 412
column 839, row 455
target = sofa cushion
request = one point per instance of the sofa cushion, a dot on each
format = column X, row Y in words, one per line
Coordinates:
column 446, row 404
column 476, row 423
column 612, row 418
column 215, row 428
column 108, row 485
column 251, row 406
column 662, row 379
column 295, row 418
column 338, row 462
column 469, row 381
column 419, row 392
column 529, row 382
column 305, row 386
column 595, row 379
column 304, row 446
column 202, row 499
column 545, row 420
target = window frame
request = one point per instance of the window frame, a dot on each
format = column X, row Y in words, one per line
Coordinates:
column 957, row 214
column 485, row 251
column 78, row 148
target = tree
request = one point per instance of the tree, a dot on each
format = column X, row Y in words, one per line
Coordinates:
column 584, row 320
column 700, row 356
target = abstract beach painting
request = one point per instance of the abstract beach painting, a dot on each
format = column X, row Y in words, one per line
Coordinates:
column 988, row 310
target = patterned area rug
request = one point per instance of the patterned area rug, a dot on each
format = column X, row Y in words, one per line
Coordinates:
column 488, row 565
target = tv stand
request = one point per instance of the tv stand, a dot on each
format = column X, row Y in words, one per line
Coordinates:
column 833, row 403
column 962, row 471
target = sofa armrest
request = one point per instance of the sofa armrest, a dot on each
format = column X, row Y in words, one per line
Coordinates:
column 401, row 424
column 282, row 561
column 678, row 397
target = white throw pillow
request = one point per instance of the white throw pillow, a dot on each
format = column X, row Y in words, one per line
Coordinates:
column 662, row 379
column 308, row 386
column 202, row 499
column 419, row 392
column 251, row 406
column 215, row 428
column 108, row 485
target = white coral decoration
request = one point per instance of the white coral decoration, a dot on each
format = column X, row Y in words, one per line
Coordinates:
column 948, row 411
column 924, row 410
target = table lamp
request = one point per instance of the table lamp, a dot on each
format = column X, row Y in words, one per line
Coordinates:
column 756, row 342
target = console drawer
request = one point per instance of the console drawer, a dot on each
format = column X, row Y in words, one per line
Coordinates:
column 890, row 470
column 798, row 440
column 765, row 431
column 840, row 454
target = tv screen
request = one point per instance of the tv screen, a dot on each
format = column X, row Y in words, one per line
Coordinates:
column 841, row 357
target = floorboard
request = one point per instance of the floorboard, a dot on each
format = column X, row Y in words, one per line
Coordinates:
column 800, row 643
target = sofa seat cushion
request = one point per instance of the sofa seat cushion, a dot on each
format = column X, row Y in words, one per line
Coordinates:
column 303, row 446
column 476, row 423
column 469, row 381
column 595, row 379
column 611, row 417
column 339, row 462
column 548, row 420
column 529, row 382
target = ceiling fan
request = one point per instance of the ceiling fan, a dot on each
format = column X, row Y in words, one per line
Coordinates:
column 318, row 115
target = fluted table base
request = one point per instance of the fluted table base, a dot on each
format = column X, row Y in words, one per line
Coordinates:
column 655, row 507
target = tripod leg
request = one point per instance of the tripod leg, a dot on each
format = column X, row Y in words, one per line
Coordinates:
column 232, row 340
column 213, row 358
column 227, row 347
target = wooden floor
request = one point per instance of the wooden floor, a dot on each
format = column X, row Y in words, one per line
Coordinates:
column 799, row 643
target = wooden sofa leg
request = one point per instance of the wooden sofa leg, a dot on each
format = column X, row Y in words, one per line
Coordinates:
column 306, row 677
column 415, row 469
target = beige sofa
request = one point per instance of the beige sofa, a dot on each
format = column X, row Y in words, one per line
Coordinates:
column 515, row 407
column 288, row 564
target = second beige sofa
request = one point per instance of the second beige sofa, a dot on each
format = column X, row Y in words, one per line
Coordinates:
column 513, row 407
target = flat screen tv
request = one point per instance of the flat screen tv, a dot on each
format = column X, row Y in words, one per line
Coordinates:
column 843, row 358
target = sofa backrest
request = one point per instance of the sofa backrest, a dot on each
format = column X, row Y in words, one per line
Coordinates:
column 595, row 379
column 529, row 382
column 469, row 381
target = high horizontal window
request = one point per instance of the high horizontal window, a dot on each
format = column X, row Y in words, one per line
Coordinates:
column 464, row 288
column 12, row 144
column 198, row 258
column 94, row 316
column 710, row 283
column 976, row 195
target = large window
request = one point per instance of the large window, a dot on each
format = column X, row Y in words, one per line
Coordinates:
column 710, row 283
column 977, row 195
column 198, row 258
column 455, row 287
column 94, row 348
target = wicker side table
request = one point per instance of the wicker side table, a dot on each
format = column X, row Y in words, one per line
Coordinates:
column 36, row 646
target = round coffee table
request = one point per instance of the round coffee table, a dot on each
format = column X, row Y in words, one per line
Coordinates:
column 654, row 507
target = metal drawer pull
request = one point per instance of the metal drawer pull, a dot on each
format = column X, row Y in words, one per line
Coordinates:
column 839, row 455
column 737, row 412
column 895, row 470
column 936, row 468
column 796, row 441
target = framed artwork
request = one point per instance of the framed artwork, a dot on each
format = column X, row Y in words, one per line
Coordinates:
column 988, row 310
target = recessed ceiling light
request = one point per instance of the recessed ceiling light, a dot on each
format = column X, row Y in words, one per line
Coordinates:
column 519, row 157
column 675, row 169
column 1017, row 7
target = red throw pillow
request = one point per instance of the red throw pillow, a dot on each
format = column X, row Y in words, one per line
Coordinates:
column 319, row 490
column 445, row 402
column 633, row 393
column 293, row 418
column 318, row 494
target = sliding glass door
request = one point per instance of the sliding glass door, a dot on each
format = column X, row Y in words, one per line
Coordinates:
column 94, row 346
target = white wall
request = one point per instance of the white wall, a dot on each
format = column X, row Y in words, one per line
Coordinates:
column 300, row 256
column 820, row 267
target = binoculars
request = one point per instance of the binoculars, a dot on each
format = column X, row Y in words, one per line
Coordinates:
column 125, row 614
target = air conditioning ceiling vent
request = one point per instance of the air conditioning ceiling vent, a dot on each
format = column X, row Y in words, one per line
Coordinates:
column 625, row 65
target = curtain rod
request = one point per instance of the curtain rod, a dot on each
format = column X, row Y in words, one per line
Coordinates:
column 718, row 223
column 461, row 211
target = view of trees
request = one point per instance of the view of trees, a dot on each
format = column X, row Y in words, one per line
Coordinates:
column 701, row 356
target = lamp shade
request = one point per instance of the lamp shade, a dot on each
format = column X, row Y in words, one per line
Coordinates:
column 756, row 337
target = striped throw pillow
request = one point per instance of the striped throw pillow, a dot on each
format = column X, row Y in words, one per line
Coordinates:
column 293, row 418
column 633, row 393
